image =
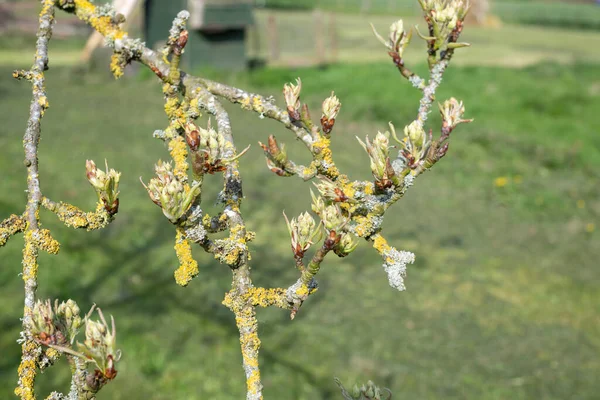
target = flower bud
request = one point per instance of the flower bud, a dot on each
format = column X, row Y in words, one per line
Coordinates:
column 331, row 108
column 169, row 193
column 415, row 133
column 291, row 94
column 397, row 40
column 209, row 157
column 106, row 185
column 303, row 232
column 414, row 145
column 443, row 17
column 192, row 136
column 346, row 245
column 42, row 324
column 378, row 151
column 332, row 218
column 452, row 111
column 330, row 190
column 318, row 204
column 99, row 346
column 68, row 312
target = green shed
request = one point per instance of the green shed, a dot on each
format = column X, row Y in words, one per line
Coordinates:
column 217, row 30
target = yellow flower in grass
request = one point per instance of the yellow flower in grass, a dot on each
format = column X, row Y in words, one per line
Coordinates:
column 500, row 181
column 590, row 227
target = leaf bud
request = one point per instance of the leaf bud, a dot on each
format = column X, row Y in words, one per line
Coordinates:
column 346, row 245
column 291, row 94
column 331, row 108
column 452, row 111
column 106, row 185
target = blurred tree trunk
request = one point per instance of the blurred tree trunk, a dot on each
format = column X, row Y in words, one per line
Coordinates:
column 479, row 11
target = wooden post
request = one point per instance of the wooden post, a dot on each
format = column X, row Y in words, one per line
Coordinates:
column 319, row 37
column 479, row 11
column 333, row 40
column 366, row 6
column 273, row 38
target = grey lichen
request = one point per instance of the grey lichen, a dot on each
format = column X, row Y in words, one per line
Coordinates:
column 394, row 264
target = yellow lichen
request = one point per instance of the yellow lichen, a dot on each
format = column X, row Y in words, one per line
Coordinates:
column 380, row 244
column 194, row 103
column 52, row 353
column 11, row 226
column 246, row 103
column 75, row 218
column 43, row 101
column 303, row 291
column 250, row 236
column 43, row 240
column 206, row 220
column 115, row 66
column 363, row 226
column 86, row 11
column 267, row 297
column 172, row 107
column 30, row 265
column 231, row 256
column 369, row 188
column 27, row 372
column 188, row 267
column 347, row 187
column 237, row 229
column 323, row 155
column 178, row 150
column 257, row 105
column 253, row 382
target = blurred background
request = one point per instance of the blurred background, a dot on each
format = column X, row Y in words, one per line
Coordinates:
column 503, row 300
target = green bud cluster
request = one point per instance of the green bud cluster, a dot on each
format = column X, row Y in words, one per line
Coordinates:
column 99, row 346
column 55, row 324
column 304, row 232
column 381, row 166
column 444, row 18
column 106, row 185
column 169, row 193
column 330, row 190
column 415, row 144
column 370, row 391
column 208, row 149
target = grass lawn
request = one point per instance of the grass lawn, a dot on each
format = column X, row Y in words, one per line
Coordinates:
column 502, row 301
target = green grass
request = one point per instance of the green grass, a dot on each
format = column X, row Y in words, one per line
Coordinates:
column 562, row 15
column 534, row 12
column 502, row 301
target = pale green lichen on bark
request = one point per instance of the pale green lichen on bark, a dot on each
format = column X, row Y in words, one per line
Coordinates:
column 347, row 210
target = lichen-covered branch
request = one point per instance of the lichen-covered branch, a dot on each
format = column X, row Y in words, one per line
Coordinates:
column 74, row 217
column 44, row 325
column 10, row 227
column 347, row 210
column 39, row 103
